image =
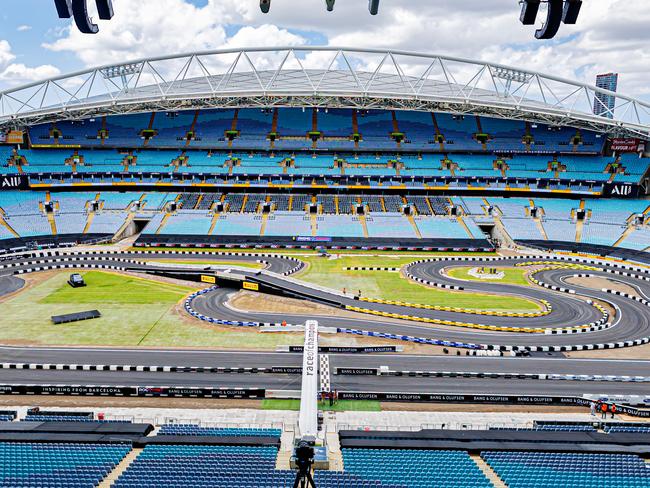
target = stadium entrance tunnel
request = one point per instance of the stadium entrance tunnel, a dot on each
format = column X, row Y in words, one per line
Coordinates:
column 134, row 227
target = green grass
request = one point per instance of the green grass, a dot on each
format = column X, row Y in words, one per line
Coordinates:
column 340, row 406
column 513, row 276
column 117, row 289
column 135, row 312
column 391, row 286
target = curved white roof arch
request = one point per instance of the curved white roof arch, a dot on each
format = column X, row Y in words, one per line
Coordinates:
column 322, row 77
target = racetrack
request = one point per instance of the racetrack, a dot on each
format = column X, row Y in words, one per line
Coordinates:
column 631, row 322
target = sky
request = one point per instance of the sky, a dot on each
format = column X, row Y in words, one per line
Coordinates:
column 611, row 35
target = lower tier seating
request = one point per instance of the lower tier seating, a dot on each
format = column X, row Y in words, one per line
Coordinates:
column 57, row 465
column 576, row 470
column 199, row 466
column 405, row 468
column 191, row 429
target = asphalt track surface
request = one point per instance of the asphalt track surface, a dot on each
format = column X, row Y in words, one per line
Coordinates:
column 631, row 322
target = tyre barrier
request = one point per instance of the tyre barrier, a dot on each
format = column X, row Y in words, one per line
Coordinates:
column 454, row 323
column 298, row 264
column 399, row 337
column 369, row 268
column 547, row 308
column 520, row 376
column 555, row 257
column 69, row 266
column 239, row 323
column 428, row 282
column 67, row 260
column 151, row 369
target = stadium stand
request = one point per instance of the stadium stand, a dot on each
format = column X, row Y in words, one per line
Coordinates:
column 401, row 468
column 66, row 465
column 192, row 429
column 205, row 466
column 528, row 469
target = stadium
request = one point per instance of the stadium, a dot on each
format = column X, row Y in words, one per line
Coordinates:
column 328, row 246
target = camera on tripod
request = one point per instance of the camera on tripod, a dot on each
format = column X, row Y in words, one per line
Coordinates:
column 304, row 459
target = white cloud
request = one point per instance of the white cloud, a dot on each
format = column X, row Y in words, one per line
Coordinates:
column 23, row 28
column 17, row 73
column 611, row 35
column 6, row 56
column 20, row 73
column 146, row 28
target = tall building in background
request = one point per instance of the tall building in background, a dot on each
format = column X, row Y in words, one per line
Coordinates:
column 604, row 104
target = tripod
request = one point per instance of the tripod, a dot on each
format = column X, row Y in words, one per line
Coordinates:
column 304, row 479
column 304, row 460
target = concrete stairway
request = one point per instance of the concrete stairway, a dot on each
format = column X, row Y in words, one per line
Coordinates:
column 488, row 471
column 120, row 468
column 283, row 460
column 334, row 453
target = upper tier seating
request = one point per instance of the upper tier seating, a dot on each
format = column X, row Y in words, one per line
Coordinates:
column 375, row 126
column 172, row 128
column 210, row 128
column 57, row 465
column 577, row 470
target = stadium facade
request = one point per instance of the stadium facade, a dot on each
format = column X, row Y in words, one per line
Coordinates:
column 323, row 146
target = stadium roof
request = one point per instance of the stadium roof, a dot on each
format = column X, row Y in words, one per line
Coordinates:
column 322, row 77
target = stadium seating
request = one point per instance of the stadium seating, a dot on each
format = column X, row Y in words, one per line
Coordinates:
column 403, row 468
column 578, row 470
column 629, row 429
column 191, row 429
column 188, row 222
column 65, row 465
column 283, row 223
column 607, row 221
column 205, row 466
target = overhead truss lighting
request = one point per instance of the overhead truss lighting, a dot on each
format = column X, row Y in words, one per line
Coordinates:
column 121, row 71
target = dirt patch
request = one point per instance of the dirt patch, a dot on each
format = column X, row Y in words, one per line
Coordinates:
column 598, row 283
column 102, row 402
column 247, row 301
column 636, row 352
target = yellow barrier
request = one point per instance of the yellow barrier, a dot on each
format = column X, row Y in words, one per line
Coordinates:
column 547, row 308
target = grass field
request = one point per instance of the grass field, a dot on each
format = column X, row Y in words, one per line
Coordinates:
column 135, row 312
column 340, row 406
column 391, row 286
column 513, row 276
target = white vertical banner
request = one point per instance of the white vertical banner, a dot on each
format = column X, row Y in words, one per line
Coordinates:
column 308, row 420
